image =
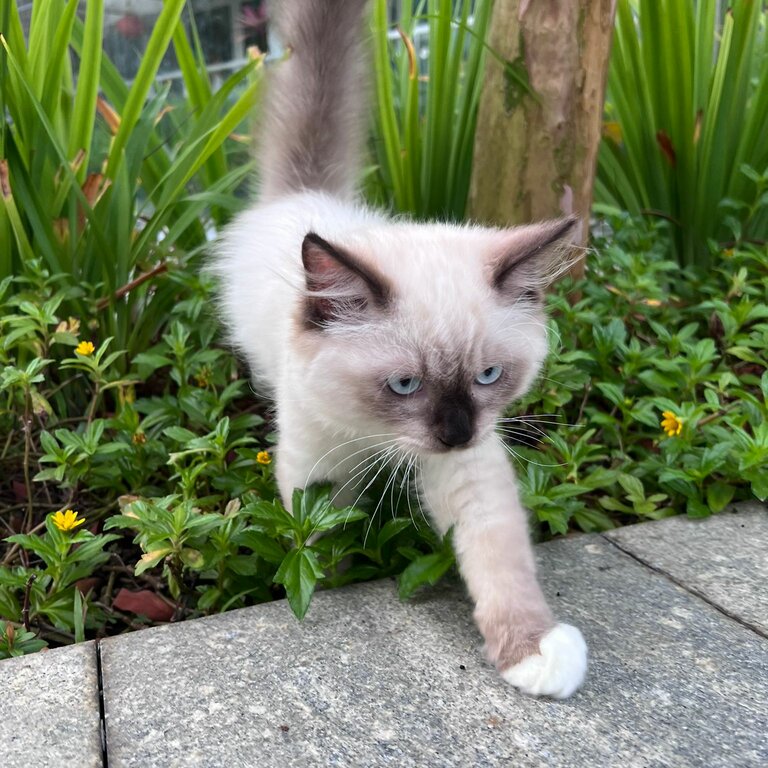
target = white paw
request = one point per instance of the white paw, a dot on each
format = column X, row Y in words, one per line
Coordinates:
column 557, row 670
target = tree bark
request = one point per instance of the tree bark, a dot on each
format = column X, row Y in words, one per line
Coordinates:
column 540, row 116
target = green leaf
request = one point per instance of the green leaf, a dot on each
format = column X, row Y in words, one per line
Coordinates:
column 758, row 480
column 208, row 599
column 299, row 573
column 427, row 569
column 719, row 495
column 192, row 558
column 696, row 508
column 151, row 559
column 633, row 486
column 78, row 617
column 593, row 520
column 273, row 515
column 330, row 517
column 264, row 546
column 392, row 528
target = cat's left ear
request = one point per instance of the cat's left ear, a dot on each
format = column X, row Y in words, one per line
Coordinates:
column 340, row 285
column 533, row 256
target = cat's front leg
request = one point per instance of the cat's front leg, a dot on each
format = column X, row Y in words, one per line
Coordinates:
column 474, row 491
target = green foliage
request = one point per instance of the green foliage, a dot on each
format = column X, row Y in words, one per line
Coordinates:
column 642, row 339
column 48, row 595
column 152, row 432
column 426, row 111
column 687, row 107
column 176, row 451
column 110, row 204
column 16, row 642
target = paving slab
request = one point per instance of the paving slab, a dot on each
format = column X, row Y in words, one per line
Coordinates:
column 49, row 709
column 723, row 558
column 367, row 680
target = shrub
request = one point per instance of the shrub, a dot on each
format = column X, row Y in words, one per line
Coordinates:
column 425, row 107
column 687, row 111
column 646, row 338
column 127, row 411
column 176, row 451
column 107, row 194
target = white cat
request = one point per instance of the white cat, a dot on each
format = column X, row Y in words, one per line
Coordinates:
column 394, row 341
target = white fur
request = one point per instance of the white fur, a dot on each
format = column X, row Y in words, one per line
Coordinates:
column 390, row 297
column 325, row 382
column 559, row 668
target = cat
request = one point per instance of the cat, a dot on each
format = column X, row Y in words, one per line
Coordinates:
column 386, row 340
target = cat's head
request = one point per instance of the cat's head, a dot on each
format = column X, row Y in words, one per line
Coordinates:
column 426, row 332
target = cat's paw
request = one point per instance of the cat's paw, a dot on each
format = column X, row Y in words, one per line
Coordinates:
column 557, row 670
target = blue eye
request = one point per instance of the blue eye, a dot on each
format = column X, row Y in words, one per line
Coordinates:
column 404, row 385
column 489, row 375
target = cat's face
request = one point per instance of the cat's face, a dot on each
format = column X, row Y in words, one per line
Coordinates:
column 425, row 332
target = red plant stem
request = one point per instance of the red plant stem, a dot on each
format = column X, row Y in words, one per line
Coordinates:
column 135, row 283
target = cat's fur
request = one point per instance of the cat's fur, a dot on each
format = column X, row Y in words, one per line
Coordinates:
column 328, row 299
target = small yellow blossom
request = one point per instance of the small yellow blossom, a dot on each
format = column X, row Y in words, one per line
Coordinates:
column 85, row 348
column 671, row 424
column 66, row 520
column 263, row 457
column 652, row 302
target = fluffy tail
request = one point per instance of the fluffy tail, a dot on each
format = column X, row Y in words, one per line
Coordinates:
column 313, row 114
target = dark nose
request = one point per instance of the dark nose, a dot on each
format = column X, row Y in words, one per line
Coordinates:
column 455, row 427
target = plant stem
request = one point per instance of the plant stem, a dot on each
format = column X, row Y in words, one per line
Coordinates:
column 27, row 450
column 94, row 402
column 25, row 607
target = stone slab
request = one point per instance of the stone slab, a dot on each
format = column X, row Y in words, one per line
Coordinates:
column 49, row 709
column 367, row 680
column 723, row 558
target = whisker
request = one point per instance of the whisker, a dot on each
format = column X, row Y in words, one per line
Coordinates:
column 409, row 494
column 519, row 438
column 342, row 445
column 418, row 496
column 409, row 463
column 522, row 459
column 390, row 483
column 365, row 462
column 380, row 457
column 537, row 420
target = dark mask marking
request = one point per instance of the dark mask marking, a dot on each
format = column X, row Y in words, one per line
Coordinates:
column 454, row 418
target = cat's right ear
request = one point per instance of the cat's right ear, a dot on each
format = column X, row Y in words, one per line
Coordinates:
column 533, row 256
column 340, row 287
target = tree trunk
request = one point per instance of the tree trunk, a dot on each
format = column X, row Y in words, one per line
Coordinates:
column 540, row 117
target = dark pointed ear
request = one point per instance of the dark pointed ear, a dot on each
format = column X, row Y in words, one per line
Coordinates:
column 533, row 256
column 339, row 285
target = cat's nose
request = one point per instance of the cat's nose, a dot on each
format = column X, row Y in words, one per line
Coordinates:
column 455, row 428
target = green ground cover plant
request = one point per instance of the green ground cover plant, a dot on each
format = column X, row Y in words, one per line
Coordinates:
column 169, row 466
column 136, row 465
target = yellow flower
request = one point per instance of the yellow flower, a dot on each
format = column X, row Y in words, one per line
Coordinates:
column 85, row 348
column 66, row 520
column 652, row 302
column 671, row 424
column 263, row 457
